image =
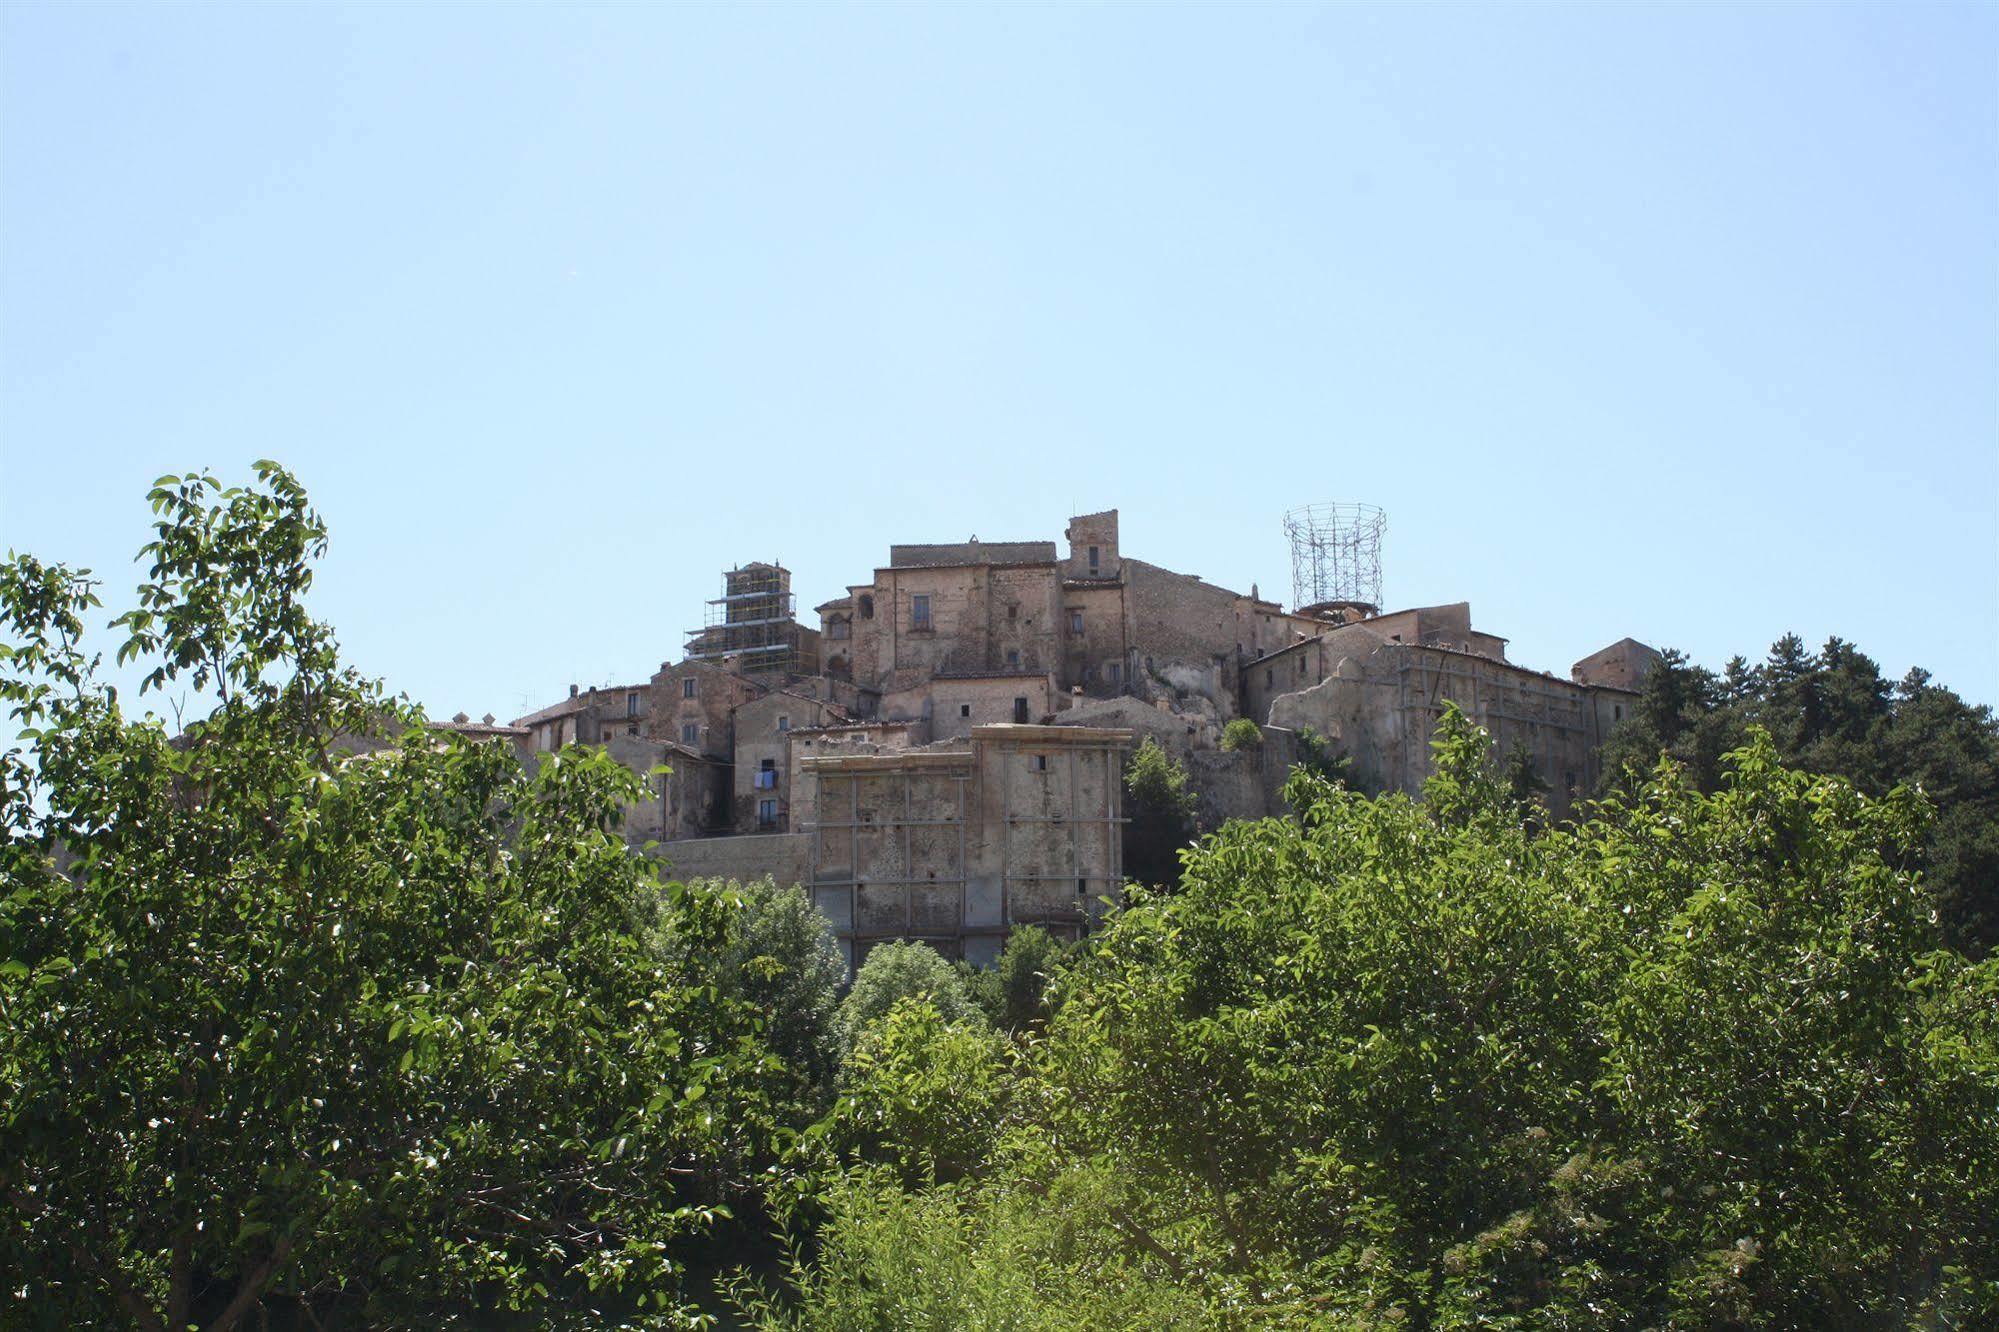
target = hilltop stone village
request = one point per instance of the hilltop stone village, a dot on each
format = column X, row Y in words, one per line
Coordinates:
column 940, row 758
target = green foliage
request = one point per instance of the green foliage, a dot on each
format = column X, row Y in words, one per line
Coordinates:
column 1832, row 712
column 1320, row 758
column 1695, row 1063
column 1026, row 966
column 781, row 961
column 1242, row 733
column 924, row 1094
column 1159, row 812
column 967, row 1258
column 371, row 1037
column 901, row 970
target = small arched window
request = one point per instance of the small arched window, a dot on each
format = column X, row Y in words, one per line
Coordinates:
column 867, row 607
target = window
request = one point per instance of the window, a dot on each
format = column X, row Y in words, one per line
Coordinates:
column 1301, row 663
column 1013, row 658
column 690, row 734
column 1083, row 885
column 687, row 687
column 1013, row 612
column 1113, row 672
column 1269, row 678
column 867, row 607
column 783, row 722
column 766, row 813
column 631, row 730
column 1618, row 713
column 839, row 627
column 766, row 775
column 1093, row 559
column 1041, row 763
column 964, row 709
column 919, row 611
column 1020, row 710
column 632, row 704
column 1076, row 623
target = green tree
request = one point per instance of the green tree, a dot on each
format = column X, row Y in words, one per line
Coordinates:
column 1026, row 966
column 1159, row 813
column 1693, row 1063
column 1832, row 712
column 925, row 1094
column 370, row 1037
column 1242, row 733
column 897, row 970
column 781, row 960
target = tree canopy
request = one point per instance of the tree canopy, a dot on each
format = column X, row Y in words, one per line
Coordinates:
column 367, row 1034
column 1832, row 712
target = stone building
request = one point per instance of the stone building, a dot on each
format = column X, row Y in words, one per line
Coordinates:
column 940, row 758
column 957, row 844
column 1376, row 688
column 590, row 716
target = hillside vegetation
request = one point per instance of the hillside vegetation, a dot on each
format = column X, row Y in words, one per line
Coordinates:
column 294, row 1038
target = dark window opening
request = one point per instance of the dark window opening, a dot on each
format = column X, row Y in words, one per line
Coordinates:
column 1269, row 678
column 1076, row 623
column 1013, row 657
column 766, row 814
column 783, row 723
column 632, row 704
column 690, row 734
column 919, row 611
column 687, row 687
column 964, row 709
column 1020, row 710
column 1041, row 763
column 1114, row 672
column 1093, row 559
column 867, row 607
column 1082, row 887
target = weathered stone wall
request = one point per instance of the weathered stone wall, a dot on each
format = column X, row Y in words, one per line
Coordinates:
column 763, row 734
column 1098, row 658
column 1178, row 621
column 1230, row 785
column 1087, row 531
column 711, row 710
column 958, row 845
column 785, row 857
column 1622, row 665
column 1382, row 710
column 959, row 703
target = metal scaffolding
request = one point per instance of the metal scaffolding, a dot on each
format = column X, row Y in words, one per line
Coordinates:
column 754, row 618
column 1335, row 553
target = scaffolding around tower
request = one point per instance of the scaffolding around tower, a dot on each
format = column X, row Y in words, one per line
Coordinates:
column 754, row 621
column 1335, row 554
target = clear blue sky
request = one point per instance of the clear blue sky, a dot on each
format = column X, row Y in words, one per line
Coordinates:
column 1674, row 322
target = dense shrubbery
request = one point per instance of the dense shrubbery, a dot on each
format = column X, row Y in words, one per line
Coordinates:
column 411, row 1039
column 1697, row 1063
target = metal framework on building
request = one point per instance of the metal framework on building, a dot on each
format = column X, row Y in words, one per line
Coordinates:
column 1335, row 553
column 755, row 618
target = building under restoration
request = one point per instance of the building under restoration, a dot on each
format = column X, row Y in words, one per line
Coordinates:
column 940, row 758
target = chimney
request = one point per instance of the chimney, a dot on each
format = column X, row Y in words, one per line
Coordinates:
column 572, row 691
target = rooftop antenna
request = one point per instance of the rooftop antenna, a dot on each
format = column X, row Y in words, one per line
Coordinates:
column 1335, row 553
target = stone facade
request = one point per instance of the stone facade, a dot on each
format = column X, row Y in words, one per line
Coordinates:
column 957, row 844
column 945, row 747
